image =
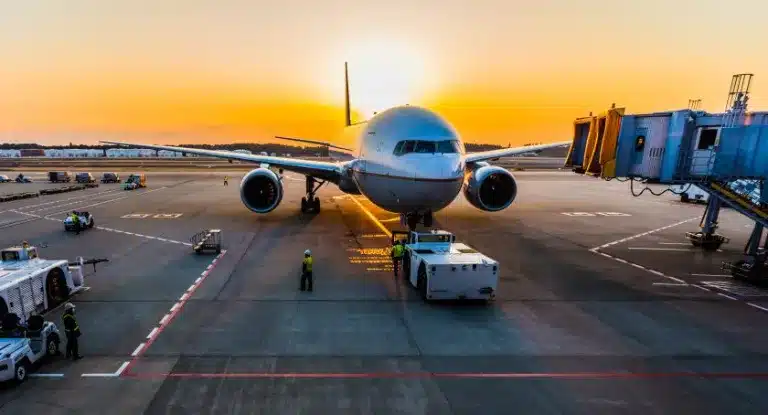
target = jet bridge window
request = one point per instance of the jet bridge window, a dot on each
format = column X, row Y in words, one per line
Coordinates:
column 707, row 138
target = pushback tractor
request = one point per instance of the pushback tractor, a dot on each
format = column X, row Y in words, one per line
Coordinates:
column 442, row 269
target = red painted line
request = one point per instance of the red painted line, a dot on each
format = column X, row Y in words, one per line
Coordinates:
column 172, row 315
column 469, row 375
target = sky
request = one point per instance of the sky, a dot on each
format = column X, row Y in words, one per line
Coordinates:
column 501, row 71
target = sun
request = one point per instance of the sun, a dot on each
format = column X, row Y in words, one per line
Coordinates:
column 383, row 74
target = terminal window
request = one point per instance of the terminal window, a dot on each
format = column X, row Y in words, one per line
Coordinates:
column 707, row 138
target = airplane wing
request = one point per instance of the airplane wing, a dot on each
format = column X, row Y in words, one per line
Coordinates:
column 506, row 152
column 319, row 169
column 344, row 155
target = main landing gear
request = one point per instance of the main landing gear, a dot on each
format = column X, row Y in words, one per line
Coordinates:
column 753, row 267
column 310, row 203
column 414, row 218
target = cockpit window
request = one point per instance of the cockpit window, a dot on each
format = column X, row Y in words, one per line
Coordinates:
column 427, row 147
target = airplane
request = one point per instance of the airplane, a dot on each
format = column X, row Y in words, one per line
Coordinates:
column 407, row 160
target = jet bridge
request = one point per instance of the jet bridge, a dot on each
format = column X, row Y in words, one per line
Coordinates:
column 725, row 154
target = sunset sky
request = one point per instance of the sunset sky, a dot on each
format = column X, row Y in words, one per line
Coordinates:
column 502, row 71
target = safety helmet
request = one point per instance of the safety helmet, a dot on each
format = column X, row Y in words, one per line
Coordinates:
column 307, row 252
column 69, row 306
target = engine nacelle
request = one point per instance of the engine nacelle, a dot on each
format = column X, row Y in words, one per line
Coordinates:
column 261, row 190
column 490, row 188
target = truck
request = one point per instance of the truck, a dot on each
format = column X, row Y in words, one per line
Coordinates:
column 30, row 285
column 442, row 269
column 84, row 177
column 135, row 181
column 59, row 177
column 23, row 349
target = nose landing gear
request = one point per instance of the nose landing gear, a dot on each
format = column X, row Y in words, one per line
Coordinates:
column 414, row 218
column 310, row 203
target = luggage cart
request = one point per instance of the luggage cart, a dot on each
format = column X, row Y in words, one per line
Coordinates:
column 206, row 241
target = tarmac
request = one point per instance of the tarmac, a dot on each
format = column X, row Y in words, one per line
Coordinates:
column 603, row 307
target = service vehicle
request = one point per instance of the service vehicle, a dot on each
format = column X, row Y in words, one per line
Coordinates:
column 59, row 177
column 443, row 269
column 84, row 177
column 86, row 221
column 110, row 178
column 4, row 178
column 135, row 181
column 30, row 285
column 23, row 179
column 690, row 193
column 20, row 351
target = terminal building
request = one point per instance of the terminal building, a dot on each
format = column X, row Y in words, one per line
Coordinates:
column 724, row 154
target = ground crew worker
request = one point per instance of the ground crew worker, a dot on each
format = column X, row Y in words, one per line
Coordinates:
column 306, row 271
column 76, row 222
column 226, row 181
column 72, row 330
column 397, row 255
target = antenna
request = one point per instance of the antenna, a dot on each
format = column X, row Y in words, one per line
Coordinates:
column 347, row 109
column 694, row 104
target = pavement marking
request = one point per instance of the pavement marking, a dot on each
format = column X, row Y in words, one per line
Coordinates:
column 46, row 375
column 726, row 296
column 114, row 374
column 372, row 217
column 671, row 284
column 58, row 201
column 175, row 310
column 624, row 261
column 712, row 275
column 675, row 243
column 192, row 287
column 143, row 236
column 645, row 233
column 701, row 288
column 107, row 201
column 643, row 248
column 757, row 306
column 138, row 349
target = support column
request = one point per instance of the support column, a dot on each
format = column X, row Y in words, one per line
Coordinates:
column 711, row 215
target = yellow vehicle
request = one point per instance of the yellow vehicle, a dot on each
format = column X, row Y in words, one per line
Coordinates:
column 135, row 181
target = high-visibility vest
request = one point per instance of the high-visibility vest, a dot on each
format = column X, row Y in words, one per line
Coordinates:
column 308, row 263
column 397, row 251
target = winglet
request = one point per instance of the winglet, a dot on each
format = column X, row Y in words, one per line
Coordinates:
column 347, row 108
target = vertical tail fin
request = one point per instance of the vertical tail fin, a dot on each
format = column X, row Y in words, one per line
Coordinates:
column 347, row 109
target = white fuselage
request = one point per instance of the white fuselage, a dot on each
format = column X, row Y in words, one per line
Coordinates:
column 408, row 159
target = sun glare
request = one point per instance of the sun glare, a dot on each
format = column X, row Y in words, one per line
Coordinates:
column 383, row 74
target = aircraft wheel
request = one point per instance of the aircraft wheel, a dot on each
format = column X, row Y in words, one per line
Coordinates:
column 316, row 204
column 303, row 205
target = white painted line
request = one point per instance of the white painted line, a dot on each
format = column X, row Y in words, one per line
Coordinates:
column 674, row 243
column 702, row 288
column 46, row 375
column 671, row 284
column 209, row 267
column 204, row 273
column 138, row 349
column 186, row 243
column 642, row 248
column 726, row 296
column 197, row 281
column 636, row 265
column 162, row 239
column 165, row 319
column 147, row 236
column 98, row 375
column 191, row 287
column 121, row 368
column 653, row 271
column 757, row 306
column 152, row 333
column 712, row 275
column 175, row 306
column 184, row 297
column 647, row 233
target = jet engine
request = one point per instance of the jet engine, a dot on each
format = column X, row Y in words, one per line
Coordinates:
column 261, row 190
column 490, row 188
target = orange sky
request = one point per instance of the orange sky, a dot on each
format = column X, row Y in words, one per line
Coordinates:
column 502, row 71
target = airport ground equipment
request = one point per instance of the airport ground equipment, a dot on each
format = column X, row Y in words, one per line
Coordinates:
column 4, row 179
column 135, row 181
column 110, row 178
column 207, row 241
column 23, row 179
column 86, row 221
column 724, row 154
column 18, row 354
column 442, row 269
column 690, row 193
column 59, row 177
column 31, row 285
column 84, row 177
